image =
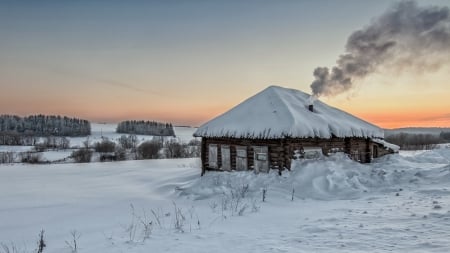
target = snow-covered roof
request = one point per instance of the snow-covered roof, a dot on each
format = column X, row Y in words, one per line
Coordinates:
column 386, row 144
column 278, row 112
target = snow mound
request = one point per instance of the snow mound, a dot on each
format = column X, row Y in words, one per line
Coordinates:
column 278, row 112
column 436, row 156
column 334, row 177
column 329, row 179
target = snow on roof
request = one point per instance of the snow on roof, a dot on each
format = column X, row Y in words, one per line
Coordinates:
column 386, row 144
column 278, row 112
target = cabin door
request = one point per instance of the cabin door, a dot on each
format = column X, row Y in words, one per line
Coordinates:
column 241, row 158
column 226, row 163
column 261, row 159
column 375, row 151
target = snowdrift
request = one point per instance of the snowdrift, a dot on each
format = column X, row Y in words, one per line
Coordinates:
column 334, row 177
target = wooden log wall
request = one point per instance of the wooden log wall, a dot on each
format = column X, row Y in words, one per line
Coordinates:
column 360, row 149
column 281, row 151
column 383, row 150
column 276, row 158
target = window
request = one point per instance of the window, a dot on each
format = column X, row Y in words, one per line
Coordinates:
column 261, row 156
column 241, row 152
column 212, row 155
column 261, row 159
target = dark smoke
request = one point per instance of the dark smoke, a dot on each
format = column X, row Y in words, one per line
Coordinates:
column 405, row 36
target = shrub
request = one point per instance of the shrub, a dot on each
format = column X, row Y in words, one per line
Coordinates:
column 40, row 147
column 41, row 242
column 82, row 155
column 120, row 154
column 63, row 143
column 105, row 146
column 30, row 157
column 149, row 149
column 194, row 142
column 52, row 142
column 6, row 157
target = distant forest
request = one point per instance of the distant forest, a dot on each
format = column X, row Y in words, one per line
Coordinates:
column 145, row 128
column 410, row 141
column 43, row 125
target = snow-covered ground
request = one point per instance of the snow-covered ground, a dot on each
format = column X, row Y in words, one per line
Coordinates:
column 99, row 131
column 4, row 148
column 399, row 203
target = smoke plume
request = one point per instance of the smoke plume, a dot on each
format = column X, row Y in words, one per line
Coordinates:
column 407, row 35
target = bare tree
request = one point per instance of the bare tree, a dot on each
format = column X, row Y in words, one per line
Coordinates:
column 73, row 243
column 174, row 149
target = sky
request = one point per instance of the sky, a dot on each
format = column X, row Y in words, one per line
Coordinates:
column 186, row 62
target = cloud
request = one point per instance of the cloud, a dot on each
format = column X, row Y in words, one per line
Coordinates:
column 106, row 81
column 128, row 87
column 441, row 117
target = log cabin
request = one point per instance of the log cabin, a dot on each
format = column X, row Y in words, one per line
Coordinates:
column 278, row 124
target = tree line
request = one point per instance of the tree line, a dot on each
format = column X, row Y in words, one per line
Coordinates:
column 408, row 141
column 45, row 125
column 445, row 136
column 145, row 128
column 16, row 130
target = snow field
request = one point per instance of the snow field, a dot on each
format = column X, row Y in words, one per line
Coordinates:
column 400, row 203
column 100, row 131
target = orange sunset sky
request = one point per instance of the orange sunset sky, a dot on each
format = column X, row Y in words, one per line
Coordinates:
column 187, row 61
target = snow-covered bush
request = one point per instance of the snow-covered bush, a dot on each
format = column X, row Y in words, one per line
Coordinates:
column 82, row 155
